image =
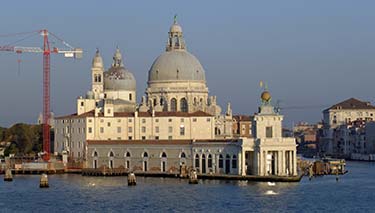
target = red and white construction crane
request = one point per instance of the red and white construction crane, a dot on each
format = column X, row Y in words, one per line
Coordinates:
column 69, row 52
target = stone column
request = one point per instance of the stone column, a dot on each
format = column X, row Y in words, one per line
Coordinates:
column 294, row 163
column 279, row 163
column 290, row 162
column 265, row 162
column 260, row 162
column 241, row 165
column 283, row 162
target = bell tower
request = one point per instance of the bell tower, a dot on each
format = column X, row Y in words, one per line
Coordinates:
column 97, row 70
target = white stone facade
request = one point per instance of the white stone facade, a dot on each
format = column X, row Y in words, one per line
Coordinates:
column 176, row 124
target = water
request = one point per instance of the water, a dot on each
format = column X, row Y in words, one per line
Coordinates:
column 354, row 192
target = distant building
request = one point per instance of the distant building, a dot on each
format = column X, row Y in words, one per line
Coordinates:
column 177, row 124
column 344, row 127
column 307, row 138
column 51, row 121
column 242, row 126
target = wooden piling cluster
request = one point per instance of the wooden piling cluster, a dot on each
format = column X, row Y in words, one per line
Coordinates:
column 44, row 181
column 131, row 179
column 8, row 176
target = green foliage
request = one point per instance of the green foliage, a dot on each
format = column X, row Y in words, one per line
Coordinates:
column 26, row 139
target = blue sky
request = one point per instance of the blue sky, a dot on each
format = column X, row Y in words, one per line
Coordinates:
column 312, row 54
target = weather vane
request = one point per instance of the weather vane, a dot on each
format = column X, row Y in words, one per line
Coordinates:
column 175, row 18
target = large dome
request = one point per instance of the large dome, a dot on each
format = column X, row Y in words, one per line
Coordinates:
column 118, row 78
column 177, row 65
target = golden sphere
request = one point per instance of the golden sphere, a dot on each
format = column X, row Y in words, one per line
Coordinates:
column 266, row 96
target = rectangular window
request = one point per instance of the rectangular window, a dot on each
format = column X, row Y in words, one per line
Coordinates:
column 130, row 120
column 101, row 129
column 118, row 129
column 109, row 124
column 157, row 129
column 269, row 132
column 130, row 129
column 170, row 120
column 130, row 138
column 109, row 111
column 143, row 129
column 90, row 120
column 182, row 130
column 90, row 129
column 143, row 120
column 157, row 120
column 118, row 138
column 143, row 137
column 130, row 96
column 170, row 137
column 170, row 129
column 118, row 120
column 101, row 120
column 156, row 137
column 208, row 119
column 182, row 120
column 194, row 119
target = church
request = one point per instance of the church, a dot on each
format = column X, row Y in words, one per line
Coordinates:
column 176, row 126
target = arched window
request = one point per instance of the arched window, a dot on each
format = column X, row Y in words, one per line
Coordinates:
column 183, row 105
column 127, row 160
column 95, row 78
column 164, row 103
column 161, row 101
column 173, row 105
column 209, row 163
column 111, row 163
column 203, row 163
column 196, row 161
column 221, row 162
column 95, row 154
column 99, row 78
column 163, row 162
column 145, row 162
column 183, row 155
column 234, row 162
column 217, row 131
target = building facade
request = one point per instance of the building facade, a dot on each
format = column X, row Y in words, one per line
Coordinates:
column 342, row 116
column 177, row 125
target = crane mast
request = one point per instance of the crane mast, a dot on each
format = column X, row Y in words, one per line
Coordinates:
column 69, row 53
column 46, row 97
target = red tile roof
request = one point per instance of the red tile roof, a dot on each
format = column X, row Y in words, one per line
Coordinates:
column 352, row 103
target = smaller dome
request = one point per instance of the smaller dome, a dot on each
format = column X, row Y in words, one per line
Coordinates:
column 266, row 96
column 118, row 78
